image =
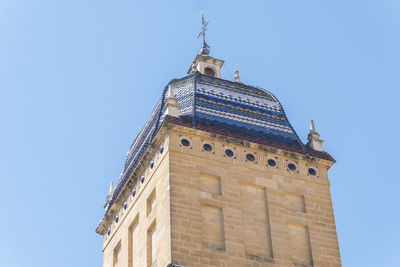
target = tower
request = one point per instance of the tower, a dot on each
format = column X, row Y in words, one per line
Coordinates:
column 219, row 177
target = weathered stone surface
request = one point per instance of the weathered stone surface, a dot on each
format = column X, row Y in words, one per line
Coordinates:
column 213, row 210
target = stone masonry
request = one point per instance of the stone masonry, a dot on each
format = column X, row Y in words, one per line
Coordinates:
column 201, row 207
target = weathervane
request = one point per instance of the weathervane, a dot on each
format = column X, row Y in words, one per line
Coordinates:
column 204, row 50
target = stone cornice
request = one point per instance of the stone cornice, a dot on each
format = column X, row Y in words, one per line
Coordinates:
column 264, row 148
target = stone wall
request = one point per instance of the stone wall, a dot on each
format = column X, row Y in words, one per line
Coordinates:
column 144, row 226
column 213, row 201
column 240, row 211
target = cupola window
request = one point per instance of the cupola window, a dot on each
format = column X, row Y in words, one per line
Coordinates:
column 312, row 171
column 207, row 147
column 291, row 166
column 250, row 157
column 185, row 142
column 229, row 153
column 271, row 163
column 209, row 72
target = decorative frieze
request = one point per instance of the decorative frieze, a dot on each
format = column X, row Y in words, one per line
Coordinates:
column 251, row 155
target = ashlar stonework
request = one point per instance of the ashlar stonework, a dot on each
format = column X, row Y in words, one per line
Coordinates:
column 213, row 210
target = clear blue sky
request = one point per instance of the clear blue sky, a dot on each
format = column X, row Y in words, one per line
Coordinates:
column 78, row 79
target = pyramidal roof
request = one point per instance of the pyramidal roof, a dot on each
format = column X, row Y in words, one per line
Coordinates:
column 222, row 107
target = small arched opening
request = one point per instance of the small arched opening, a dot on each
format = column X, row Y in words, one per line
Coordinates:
column 209, row 72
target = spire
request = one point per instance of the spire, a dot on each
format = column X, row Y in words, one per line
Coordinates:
column 204, row 50
column 171, row 107
column 313, row 138
column 203, row 63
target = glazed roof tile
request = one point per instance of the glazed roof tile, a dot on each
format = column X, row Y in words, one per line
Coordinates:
column 222, row 107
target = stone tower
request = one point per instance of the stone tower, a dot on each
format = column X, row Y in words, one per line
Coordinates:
column 219, row 177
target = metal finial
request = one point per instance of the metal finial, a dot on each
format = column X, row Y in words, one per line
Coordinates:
column 204, row 50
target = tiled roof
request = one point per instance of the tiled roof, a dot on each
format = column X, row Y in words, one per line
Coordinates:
column 222, row 107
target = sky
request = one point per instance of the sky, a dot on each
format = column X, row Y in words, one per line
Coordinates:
column 79, row 78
